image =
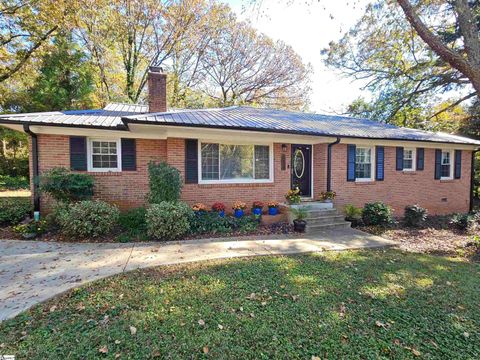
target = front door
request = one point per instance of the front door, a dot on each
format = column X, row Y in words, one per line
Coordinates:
column 301, row 169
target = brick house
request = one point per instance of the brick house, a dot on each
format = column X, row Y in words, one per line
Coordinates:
column 244, row 153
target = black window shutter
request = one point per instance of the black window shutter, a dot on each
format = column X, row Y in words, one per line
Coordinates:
column 399, row 158
column 420, row 158
column 351, row 149
column 191, row 161
column 438, row 164
column 458, row 164
column 380, row 158
column 129, row 155
column 78, row 153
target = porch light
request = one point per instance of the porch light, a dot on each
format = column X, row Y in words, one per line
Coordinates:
column 284, row 147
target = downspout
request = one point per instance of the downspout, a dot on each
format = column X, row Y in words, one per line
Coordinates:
column 329, row 163
column 35, row 169
column 472, row 178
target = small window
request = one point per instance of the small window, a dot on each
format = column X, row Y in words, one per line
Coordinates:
column 408, row 159
column 446, row 165
column 235, row 163
column 104, row 155
column 363, row 164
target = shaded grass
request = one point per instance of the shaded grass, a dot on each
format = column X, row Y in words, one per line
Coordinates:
column 354, row 304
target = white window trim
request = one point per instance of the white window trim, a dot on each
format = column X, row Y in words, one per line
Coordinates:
column 414, row 159
column 372, row 162
column 452, row 161
column 235, row 181
column 90, row 167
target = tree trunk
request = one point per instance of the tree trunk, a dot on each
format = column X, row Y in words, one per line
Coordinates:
column 456, row 60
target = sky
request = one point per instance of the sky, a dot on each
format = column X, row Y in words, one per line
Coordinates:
column 309, row 29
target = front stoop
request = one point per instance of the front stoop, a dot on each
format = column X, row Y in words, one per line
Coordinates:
column 322, row 216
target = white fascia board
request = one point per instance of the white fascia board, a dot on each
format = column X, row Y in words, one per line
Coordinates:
column 407, row 144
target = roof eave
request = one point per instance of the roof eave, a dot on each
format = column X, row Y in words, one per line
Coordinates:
column 127, row 120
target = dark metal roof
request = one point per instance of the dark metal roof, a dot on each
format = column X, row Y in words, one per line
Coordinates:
column 115, row 116
column 270, row 120
column 109, row 117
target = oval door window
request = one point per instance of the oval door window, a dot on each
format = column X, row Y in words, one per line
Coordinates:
column 298, row 163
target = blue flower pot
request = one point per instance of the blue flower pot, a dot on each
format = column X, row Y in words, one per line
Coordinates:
column 221, row 213
column 257, row 211
column 238, row 213
column 272, row 211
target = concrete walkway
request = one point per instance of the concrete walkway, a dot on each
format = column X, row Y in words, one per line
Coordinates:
column 34, row 271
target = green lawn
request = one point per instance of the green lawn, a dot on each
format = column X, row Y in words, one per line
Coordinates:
column 356, row 304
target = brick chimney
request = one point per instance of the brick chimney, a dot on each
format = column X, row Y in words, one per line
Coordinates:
column 157, row 90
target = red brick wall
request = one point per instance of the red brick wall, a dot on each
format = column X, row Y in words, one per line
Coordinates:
column 229, row 193
column 400, row 189
column 128, row 189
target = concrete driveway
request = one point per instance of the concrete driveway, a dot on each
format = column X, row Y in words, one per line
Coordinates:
column 34, row 271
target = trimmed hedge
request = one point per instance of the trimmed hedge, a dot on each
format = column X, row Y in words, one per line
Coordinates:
column 165, row 183
column 168, row 220
column 66, row 186
column 87, row 218
column 13, row 182
column 414, row 215
column 14, row 210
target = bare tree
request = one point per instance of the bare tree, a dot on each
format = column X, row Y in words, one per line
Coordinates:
column 243, row 66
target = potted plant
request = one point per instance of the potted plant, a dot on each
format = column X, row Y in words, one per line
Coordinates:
column 199, row 208
column 257, row 208
column 293, row 196
column 239, row 208
column 272, row 208
column 299, row 214
column 327, row 196
column 219, row 208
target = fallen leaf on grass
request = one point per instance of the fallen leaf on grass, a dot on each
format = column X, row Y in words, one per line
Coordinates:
column 315, row 357
column 205, row 349
column 53, row 308
column 416, row 352
column 201, row 322
column 133, row 330
column 220, row 327
column 103, row 349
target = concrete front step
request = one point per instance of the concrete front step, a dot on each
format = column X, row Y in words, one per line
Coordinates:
column 321, row 213
column 334, row 225
column 324, row 219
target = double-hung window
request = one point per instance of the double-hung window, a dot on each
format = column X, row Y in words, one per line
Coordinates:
column 363, row 163
column 408, row 159
column 104, row 155
column 446, row 170
column 235, row 163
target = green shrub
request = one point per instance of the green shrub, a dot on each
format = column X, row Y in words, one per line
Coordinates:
column 87, row 218
column 244, row 224
column 467, row 221
column 414, row 215
column 14, row 210
column 64, row 185
column 13, row 182
column 168, row 220
column 165, row 183
column 210, row 222
column 133, row 221
column 32, row 229
column 377, row 213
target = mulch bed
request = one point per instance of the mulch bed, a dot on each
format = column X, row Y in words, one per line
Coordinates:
column 437, row 236
column 273, row 229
